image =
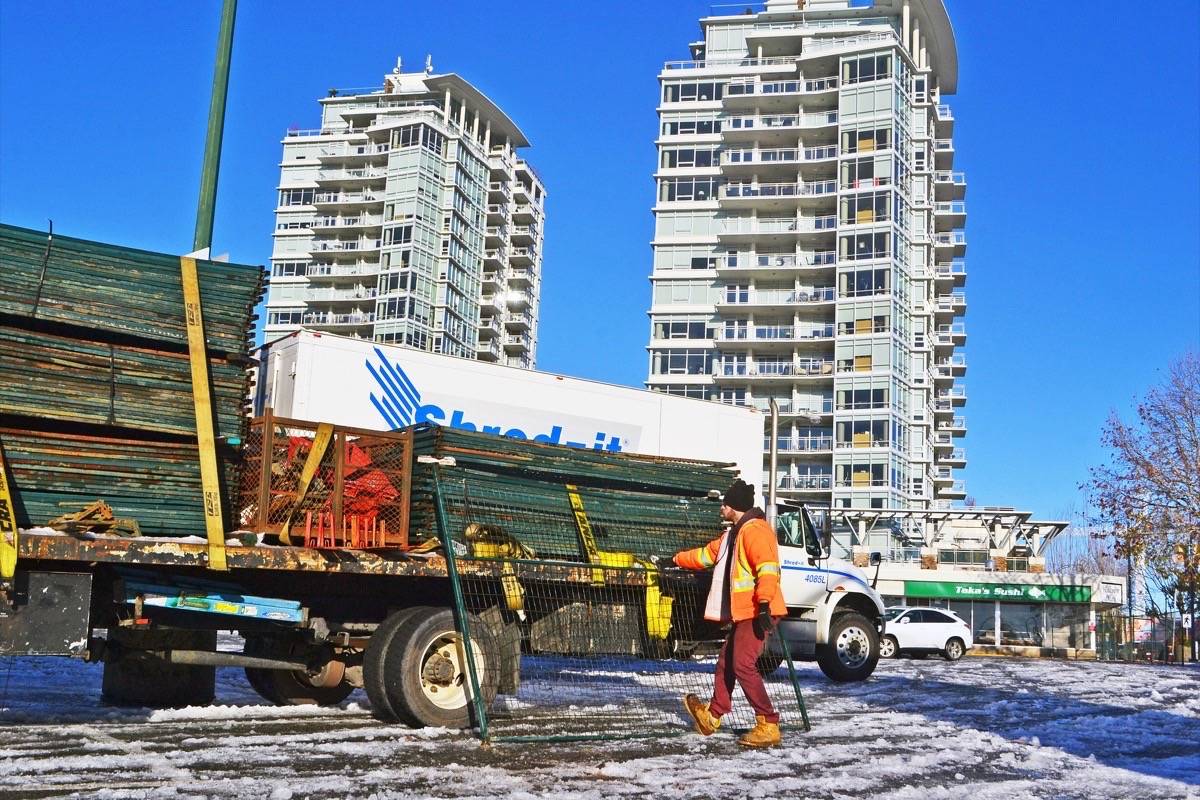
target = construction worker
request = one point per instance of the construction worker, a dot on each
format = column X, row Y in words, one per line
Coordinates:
column 745, row 591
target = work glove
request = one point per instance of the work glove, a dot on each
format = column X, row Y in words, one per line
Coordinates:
column 662, row 562
column 764, row 620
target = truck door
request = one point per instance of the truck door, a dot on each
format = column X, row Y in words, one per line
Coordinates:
column 801, row 575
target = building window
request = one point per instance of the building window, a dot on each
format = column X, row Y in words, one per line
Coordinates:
column 971, row 558
column 285, row 317
column 864, row 246
column 866, row 68
column 682, row 189
column 289, row 269
column 681, row 362
column 692, row 92
column 296, row 197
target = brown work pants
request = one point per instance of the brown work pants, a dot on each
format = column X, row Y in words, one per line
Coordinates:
column 738, row 661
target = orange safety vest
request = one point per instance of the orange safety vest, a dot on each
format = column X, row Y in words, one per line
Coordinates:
column 754, row 577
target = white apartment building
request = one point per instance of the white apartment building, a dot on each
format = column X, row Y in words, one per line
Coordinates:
column 409, row 217
column 808, row 243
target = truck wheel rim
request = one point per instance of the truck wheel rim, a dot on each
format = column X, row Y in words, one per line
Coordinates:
column 444, row 676
column 853, row 647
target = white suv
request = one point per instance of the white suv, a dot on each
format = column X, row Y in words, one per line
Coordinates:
column 921, row 631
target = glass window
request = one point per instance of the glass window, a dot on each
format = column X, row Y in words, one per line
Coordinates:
column 983, row 624
column 1067, row 625
column 1021, row 624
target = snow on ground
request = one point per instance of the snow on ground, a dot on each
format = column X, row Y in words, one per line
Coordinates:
column 982, row 728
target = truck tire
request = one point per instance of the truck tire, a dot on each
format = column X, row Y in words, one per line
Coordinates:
column 852, row 650
column 133, row 678
column 423, row 673
column 378, row 692
column 290, row 688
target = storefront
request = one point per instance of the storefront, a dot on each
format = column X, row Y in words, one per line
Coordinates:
column 1026, row 613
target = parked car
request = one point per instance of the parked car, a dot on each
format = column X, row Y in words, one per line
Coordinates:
column 921, row 631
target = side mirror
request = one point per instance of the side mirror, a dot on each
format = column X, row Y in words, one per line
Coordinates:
column 904, row 621
column 827, row 531
column 876, row 559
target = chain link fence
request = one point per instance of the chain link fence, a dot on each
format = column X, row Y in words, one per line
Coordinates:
column 599, row 647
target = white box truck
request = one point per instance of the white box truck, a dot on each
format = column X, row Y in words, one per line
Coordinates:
column 321, row 377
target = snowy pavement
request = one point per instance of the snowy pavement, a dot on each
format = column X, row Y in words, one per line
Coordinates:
column 982, row 728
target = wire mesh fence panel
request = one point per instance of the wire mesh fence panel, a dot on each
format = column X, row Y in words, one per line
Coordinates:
column 581, row 651
column 326, row 486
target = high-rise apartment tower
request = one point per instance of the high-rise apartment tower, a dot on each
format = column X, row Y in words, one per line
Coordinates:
column 808, row 243
column 408, row 217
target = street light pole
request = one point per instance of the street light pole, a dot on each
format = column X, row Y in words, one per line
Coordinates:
column 773, row 476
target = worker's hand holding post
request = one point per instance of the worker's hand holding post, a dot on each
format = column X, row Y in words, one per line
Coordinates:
column 764, row 620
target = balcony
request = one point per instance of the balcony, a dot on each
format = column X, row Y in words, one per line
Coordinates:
column 950, row 245
column 791, row 370
column 495, row 258
column 943, row 154
column 943, row 441
column 949, row 185
column 950, row 368
column 786, row 335
column 780, row 63
column 774, row 195
column 759, row 94
column 956, row 458
column 515, row 342
column 805, row 483
column 785, row 229
column 345, row 198
column 494, row 279
column 329, row 319
column 952, row 272
column 361, row 221
column 524, row 234
column 489, row 327
column 955, row 427
column 779, row 128
column 753, row 161
column 350, row 175
column 801, row 444
column 949, row 215
column 329, row 295
column 343, row 270
column 516, row 301
column 953, row 304
column 957, row 490
column 352, row 151
column 522, row 256
column 526, row 212
column 488, row 350
column 951, row 335
column 521, row 321
column 496, row 213
column 344, row 246
column 523, row 277
column 499, row 190
column 782, row 298
column 944, row 120
column 957, row 395
column 790, row 408
column 495, row 235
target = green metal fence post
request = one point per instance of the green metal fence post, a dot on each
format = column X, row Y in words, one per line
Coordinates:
column 787, row 654
column 460, row 607
column 206, row 208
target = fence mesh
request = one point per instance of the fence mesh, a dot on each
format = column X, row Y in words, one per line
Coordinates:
column 601, row 647
column 325, row 486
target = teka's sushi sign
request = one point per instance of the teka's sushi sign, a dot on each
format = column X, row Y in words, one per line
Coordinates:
column 1018, row 592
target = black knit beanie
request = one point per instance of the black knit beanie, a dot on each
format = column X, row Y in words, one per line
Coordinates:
column 739, row 496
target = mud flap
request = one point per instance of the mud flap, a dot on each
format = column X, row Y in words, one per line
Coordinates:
column 46, row 614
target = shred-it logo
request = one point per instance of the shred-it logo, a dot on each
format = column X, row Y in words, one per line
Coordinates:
column 399, row 403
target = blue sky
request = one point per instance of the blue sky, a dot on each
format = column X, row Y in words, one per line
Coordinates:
column 1077, row 128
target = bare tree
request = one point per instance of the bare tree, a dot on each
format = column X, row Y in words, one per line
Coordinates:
column 1147, row 497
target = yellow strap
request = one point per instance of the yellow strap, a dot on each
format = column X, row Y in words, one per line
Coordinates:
column 315, row 453
column 586, row 537
column 214, row 523
column 658, row 606
column 8, row 527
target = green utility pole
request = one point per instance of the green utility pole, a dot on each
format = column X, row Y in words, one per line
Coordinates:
column 216, row 126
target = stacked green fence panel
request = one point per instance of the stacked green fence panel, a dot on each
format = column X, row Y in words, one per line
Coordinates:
column 95, row 381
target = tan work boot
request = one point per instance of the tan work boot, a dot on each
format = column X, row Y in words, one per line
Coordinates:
column 764, row 734
column 706, row 723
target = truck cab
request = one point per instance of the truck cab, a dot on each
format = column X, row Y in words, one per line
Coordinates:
column 835, row 616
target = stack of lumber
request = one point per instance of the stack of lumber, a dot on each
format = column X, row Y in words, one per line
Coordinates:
column 636, row 504
column 95, row 380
